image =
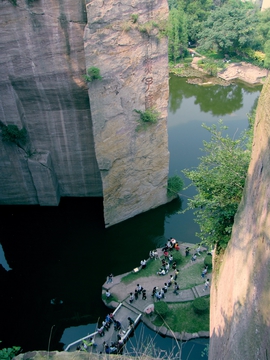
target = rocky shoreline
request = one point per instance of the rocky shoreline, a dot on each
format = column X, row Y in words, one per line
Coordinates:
column 242, row 71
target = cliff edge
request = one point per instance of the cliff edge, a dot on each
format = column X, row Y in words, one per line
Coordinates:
column 240, row 313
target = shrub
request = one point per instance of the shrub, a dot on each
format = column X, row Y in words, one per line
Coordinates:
column 126, row 26
column 11, row 133
column 200, row 306
column 93, row 73
column 175, row 184
column 147, row 117
column 178, row 257
column 161, row 308
column 134, row 18
column 208, row 261
column 9, row 353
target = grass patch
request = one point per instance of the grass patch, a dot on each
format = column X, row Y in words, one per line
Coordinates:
column 191, row 275
column 182, row 317
column 152, row 267
column 108, row 300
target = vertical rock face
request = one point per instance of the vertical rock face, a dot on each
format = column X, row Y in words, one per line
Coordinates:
column 41, row 89
column 124, row 40
column 240, row 294
column 44, row 48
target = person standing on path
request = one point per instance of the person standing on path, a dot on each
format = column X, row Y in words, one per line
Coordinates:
column 171, row 281
column 131, row 298
column 165, row 288
column 136, row 294
column 143, row 264
column 131, row 321
column 206, row 284
column 144, row 295
column 176, row 272
column 176, row 287
column 109, row 279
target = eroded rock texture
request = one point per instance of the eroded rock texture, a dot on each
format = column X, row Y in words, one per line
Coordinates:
column 124, row 40
column 240, row 294
column 42, row 89
column 44, row 48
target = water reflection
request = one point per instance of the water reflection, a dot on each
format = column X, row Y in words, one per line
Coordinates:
column 200, row 105
column 215, row 100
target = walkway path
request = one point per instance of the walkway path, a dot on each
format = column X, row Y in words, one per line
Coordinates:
column 121, row 291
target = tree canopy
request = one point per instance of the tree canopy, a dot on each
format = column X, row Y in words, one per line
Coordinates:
column 177, row 34
column 219, row 179
column 229, row 28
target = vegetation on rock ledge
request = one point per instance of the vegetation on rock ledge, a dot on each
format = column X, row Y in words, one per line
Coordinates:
column 175, row 184
column 93, row 73
column 147, row 117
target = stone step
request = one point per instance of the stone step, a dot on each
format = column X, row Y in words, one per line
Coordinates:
column 195, row 292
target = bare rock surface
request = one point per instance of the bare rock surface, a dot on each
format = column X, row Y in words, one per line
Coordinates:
column 240, row 292
column 132, row 58
column 42, row 89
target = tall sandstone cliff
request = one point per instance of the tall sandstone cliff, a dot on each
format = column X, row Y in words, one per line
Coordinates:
column 81, row 139
column 240, row 294
column 133, row 62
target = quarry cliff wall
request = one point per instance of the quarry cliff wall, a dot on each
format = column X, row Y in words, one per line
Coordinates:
column 41, row 88
column 81, row 138
column 240, row 292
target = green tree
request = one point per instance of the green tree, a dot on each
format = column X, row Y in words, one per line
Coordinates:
column 263, row 35
column 267, row 54
column 177, row 34
column 219, row 179
column 229, row 28
column 263, row 28
column 197, row 11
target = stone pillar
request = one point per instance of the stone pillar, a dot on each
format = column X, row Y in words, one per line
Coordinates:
column 125, row 41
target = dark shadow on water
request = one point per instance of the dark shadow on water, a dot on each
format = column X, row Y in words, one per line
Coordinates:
column 65, row 253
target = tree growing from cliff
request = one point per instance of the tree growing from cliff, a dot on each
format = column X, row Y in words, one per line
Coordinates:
column 219, row 180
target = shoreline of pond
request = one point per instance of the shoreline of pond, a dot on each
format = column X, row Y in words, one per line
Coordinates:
column 121, row 292
column 249, row 74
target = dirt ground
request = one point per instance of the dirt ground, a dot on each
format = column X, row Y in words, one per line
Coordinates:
column 243, row 71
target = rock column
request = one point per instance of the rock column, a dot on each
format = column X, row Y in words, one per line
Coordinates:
column 125, row 41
